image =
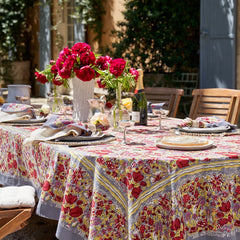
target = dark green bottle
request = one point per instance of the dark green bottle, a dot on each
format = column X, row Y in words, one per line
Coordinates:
column 139, row 105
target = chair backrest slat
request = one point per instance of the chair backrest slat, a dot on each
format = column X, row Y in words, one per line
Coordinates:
column 221, row 102
column 171, row 97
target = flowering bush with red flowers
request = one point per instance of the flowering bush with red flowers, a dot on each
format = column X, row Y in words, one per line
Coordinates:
column 77, row 61
column 115, row 72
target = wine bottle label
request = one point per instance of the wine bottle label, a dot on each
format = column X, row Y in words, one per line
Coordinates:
column 135, row 116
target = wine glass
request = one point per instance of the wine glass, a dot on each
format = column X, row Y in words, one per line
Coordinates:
column 161, row 113
column 124, row 124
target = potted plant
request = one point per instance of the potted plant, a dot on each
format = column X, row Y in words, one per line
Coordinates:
column 14, row 39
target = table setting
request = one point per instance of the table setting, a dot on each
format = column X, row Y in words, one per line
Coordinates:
column 16, row 113
column 140, row 176
column 61, row 129
column 105, row 179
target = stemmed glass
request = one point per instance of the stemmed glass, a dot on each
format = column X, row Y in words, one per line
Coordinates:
column 124, row 124
column 161, row 113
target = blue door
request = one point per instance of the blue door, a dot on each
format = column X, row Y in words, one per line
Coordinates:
column 217, row 43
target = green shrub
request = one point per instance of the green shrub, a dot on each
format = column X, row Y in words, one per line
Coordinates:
column 159, row 35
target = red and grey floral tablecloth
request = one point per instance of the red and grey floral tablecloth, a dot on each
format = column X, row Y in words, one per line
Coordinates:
column 116, row 191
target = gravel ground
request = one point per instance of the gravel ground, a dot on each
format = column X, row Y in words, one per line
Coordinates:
column 38, row 228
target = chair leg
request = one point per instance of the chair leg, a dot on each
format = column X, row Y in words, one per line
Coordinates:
column 13, row 223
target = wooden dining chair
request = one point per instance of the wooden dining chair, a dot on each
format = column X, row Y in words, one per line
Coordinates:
column 171, row 97
column 16, row 206
column 220, row 102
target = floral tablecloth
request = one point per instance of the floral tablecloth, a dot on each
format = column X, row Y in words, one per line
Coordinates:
column 117, row 191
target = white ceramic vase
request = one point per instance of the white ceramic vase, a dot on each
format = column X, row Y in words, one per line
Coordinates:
column 82, row 91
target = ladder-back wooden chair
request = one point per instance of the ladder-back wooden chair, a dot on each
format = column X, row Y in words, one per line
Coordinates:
column 171, row 97
column 16, row 206
column 220, row 102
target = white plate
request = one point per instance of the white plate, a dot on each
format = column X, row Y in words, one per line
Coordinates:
column 205, row 130
column 188, row 148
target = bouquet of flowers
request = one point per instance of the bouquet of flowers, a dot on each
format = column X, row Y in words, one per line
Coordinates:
column 115, row 73
column 100, row 120
column 77, row 61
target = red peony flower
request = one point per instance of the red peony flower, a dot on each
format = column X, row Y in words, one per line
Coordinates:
column 56, row 81
column 41, row 78
column 100, row 84
column 102, row 62
column 65, row 73
column 54, row 69
column 59, row 63
column 117, row 67
column 85, row 73
column 65, row 53
column 70, row 62
column 79, row 48
column 87, row 58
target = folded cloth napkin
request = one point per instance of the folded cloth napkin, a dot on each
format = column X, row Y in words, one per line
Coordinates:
column 58, row 126
column 206, row 122
column 157, row 105
column 16, row 111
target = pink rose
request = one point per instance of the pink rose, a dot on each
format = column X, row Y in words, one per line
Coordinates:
column 85, row 73
column 117, row 67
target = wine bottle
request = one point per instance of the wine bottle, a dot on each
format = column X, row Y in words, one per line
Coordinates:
column 139, row 105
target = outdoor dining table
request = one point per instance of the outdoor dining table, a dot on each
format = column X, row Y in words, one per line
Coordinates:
column 138, row 191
